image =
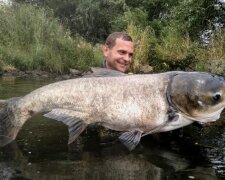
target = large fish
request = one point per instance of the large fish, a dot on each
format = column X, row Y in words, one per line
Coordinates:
column 137, row 105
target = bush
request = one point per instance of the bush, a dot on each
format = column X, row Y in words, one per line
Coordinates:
column 212, row 57
column 143, row 38
column 31, row 38
column 175, row 49
column 135, row 23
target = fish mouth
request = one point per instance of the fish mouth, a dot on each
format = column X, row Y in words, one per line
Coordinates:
column 204, row 118
column 4, row 140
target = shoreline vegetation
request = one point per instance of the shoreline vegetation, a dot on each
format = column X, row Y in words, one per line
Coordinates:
column 34, row 39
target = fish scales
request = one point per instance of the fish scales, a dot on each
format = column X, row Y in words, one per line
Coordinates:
column 116, row 99
column 136, row 105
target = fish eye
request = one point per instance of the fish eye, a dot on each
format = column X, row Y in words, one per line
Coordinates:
column 216, row 97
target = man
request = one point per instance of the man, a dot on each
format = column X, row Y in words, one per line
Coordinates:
column 118, row 51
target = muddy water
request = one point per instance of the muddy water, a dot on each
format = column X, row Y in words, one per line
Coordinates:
column 41, row 152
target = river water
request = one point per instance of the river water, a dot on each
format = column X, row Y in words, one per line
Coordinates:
column 41, row 151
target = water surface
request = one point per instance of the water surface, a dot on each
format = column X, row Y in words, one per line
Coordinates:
column 41, row 152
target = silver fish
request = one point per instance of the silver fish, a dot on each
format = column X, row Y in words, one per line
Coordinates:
column 136, row 105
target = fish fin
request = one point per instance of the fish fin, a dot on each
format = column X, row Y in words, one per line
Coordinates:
column 74, row 122
column 130, row 139
column 104, row 72
column 172, row 114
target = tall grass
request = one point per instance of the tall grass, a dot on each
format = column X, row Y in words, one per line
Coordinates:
column 174, row 46
column 212, row 57
column 174, row 50
column 135, row 23
column 143, row 39
column 31, row 38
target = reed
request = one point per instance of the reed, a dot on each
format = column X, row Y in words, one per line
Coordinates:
column 173, row 46
column 143, row 39
column 212, row 56
column 32, row 38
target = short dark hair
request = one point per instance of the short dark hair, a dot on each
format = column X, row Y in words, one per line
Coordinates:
column 111, row 39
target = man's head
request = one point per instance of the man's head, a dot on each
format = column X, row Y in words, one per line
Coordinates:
column 118, row 50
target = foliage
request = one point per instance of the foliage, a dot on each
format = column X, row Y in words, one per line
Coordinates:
column 173, row 45
column 31, row 38
column 155, row 9
column 169, row 33
column 134, row 22
column 89, row 18
column 174, row 49
column 196, row 16
column 212, row 57
column 143, row 39
column 136, row 16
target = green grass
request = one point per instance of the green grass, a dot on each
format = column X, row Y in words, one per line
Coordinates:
column 212, row 57
column 143, row 39
column 31, row 38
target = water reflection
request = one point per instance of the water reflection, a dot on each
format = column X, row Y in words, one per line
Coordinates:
column 41, row 152
column 111, row 162
column 11, row 86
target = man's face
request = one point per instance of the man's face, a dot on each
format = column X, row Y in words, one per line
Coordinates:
column 119, row 57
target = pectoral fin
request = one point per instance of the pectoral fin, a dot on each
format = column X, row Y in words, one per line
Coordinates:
column 71, row 118
column 172, row 114
column 130, row 139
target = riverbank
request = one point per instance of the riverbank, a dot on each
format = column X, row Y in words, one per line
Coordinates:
column 72, row 73
column 39, row 74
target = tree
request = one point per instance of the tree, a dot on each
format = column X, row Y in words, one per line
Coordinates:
column 89, row 18
column 196, row 16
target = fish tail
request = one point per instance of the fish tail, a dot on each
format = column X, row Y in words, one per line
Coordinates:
column 8, row 125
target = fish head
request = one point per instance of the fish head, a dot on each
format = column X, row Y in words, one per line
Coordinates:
column 198, row 96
